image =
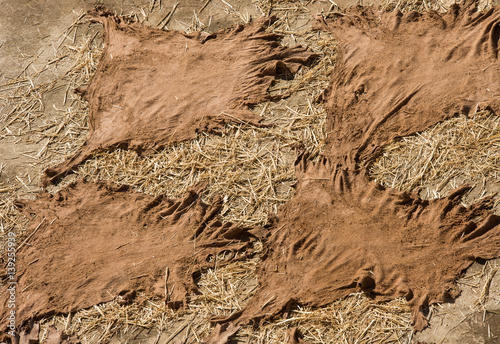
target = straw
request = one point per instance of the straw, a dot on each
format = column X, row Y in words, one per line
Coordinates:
column 354, row 319
column 436, row 161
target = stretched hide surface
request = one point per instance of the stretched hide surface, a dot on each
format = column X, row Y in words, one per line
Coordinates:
column 95, row 242
column 154, row 87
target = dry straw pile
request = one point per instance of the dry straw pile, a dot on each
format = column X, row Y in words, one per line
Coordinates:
column 441, row 158
column 252, row 168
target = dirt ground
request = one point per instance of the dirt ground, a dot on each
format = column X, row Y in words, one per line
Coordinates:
column 30, row 31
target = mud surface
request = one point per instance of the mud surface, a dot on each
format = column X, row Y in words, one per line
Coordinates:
column 31, row 33
column 342, row 233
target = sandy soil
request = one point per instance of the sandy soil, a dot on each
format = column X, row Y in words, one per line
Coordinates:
column 30, row 31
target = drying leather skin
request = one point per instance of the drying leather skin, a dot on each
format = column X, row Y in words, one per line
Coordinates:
column 154, row 87
column 98, row 242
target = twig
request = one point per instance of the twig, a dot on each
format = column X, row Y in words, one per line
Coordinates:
column 168, row 16
column 33, row 233
column 486, row 288
column 204, row 5
column 166, row 280
column 180, row 329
